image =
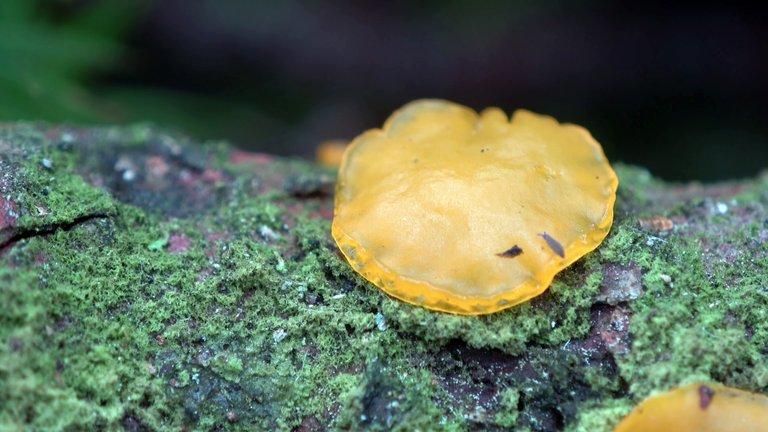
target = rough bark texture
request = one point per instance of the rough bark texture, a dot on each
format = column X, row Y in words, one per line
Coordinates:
column 149, row 282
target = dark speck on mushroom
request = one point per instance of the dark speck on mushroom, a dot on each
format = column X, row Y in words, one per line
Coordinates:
column 511, row 252
column 705, row 396
column 553, row 244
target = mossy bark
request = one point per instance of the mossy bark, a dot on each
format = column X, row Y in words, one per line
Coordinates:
column 150, row 282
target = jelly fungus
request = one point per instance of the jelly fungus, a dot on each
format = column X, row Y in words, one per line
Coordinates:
column 470, row 214
column 700, row 408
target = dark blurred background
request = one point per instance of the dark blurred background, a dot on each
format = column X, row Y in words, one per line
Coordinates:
column 679, row 88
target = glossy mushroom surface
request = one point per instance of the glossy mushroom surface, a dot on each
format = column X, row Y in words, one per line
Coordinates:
column 470, row 213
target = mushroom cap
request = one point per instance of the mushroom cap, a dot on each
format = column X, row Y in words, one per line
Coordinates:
column 467, row 213
column 699, row 408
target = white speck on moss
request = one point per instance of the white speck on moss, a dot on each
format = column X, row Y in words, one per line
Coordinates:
column 268, row 234
column 279, row 334
column 381, row 322
column 722, row 208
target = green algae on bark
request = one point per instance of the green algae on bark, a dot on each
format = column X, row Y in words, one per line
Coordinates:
column 155, row 283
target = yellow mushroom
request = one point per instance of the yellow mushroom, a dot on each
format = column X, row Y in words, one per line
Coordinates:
column 329, row 153
column 467, row 213
column 700, row 408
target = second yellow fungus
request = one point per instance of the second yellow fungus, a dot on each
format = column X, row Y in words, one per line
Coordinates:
column 467, row 213
column 700, row 408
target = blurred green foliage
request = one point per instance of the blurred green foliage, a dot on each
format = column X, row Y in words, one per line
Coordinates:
column 49, row 49
column 54, row 55
column 271, row 77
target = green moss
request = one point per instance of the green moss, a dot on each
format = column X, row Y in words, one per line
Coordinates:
column 705, row 322
column 392, row 400
column 695, row 329
column 48, row 194
column 252, row 325
column 507, row 415
column 562, row 313
column 602, row 416
column 635, row 186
